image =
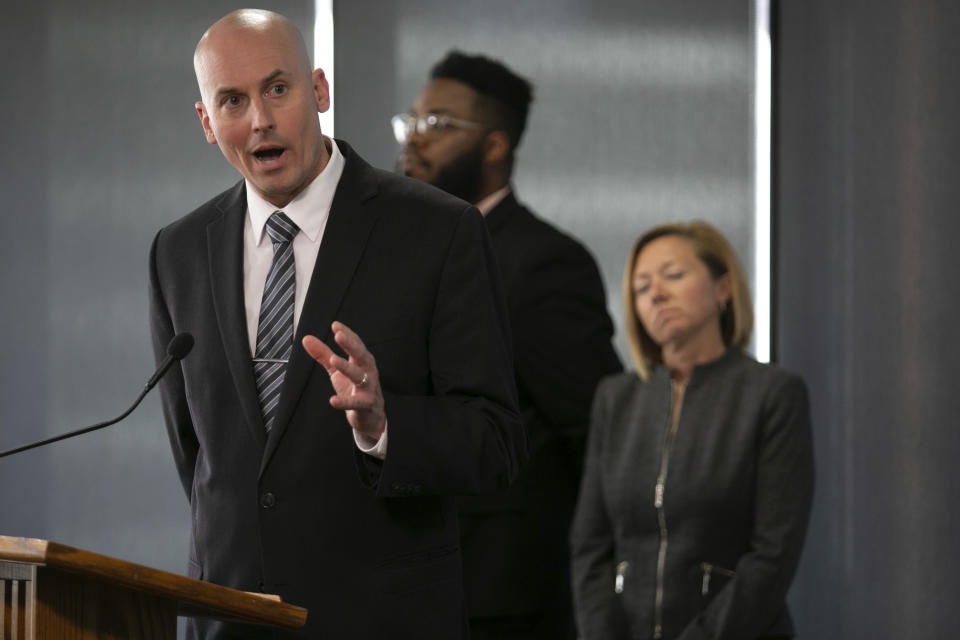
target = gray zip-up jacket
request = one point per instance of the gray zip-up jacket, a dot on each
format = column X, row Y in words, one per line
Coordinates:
column 694, row 535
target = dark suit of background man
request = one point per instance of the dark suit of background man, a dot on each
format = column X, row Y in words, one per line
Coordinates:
column 356, row 524
column 461, row 135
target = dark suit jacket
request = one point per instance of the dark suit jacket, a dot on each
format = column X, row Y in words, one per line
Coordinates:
column 369, row 547
column 515, row 543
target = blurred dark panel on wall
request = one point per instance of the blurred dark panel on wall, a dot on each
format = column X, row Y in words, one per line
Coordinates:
column 868, row 157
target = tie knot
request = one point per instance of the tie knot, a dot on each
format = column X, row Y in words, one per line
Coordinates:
column 281, row 228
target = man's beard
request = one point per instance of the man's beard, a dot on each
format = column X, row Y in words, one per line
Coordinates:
column 461, row 177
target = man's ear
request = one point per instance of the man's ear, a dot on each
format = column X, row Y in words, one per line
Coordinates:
column 321, row 89
column 496, row 147
column 205, row 122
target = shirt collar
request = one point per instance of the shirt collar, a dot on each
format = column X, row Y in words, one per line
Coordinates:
column 310, row 208
column 487, row 204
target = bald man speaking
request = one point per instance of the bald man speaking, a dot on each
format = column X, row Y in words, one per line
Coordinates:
column 352, row 368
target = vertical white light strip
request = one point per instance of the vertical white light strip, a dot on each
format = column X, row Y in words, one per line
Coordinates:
column 323, row 54
column 762, row 122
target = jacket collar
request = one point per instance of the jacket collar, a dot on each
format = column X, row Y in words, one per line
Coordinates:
column 500, row 215
column 730, row 357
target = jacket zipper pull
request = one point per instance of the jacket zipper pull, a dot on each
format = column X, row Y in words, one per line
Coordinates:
column 621, row 571
column 658, row 496
column 705, row 585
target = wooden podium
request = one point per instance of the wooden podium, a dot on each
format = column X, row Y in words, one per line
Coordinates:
column 52, row 591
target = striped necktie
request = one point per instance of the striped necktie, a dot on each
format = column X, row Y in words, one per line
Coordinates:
column 275, row 329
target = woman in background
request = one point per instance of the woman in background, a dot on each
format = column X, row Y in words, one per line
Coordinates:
column 699, row 472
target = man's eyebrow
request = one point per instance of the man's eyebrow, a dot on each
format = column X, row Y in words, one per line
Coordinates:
column 440, row 111
column 270, row 78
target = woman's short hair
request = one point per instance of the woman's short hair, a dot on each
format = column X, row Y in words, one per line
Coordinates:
column 712, row 248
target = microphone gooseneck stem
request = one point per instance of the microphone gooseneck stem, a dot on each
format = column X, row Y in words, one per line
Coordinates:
column 78, row 432
column 177, row 349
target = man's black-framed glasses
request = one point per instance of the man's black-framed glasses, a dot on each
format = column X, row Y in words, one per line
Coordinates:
column 404, row 124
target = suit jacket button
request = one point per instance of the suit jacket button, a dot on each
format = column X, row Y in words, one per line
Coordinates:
column 268, row 500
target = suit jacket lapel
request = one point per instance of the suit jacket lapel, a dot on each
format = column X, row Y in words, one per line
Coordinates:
column 225, row 247
column 344, row 239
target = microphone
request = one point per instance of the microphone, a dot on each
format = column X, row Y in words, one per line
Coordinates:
column 177, row 349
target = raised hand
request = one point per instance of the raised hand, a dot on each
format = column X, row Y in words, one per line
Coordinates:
column 355, row 380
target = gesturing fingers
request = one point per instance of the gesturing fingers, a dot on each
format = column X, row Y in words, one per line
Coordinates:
column 319, row 352
column 352, row 369
column 351, row 343
column 354, row 402
column 355, row 379
column 351, row 372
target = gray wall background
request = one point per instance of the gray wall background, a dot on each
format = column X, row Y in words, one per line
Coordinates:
column 104, row 148
column 642, row 110
column 868, row 301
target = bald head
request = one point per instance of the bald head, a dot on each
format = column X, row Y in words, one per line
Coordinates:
column 242, row 25
column 260, row 102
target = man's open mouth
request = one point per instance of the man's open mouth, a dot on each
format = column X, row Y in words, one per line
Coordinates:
column 269, row 154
